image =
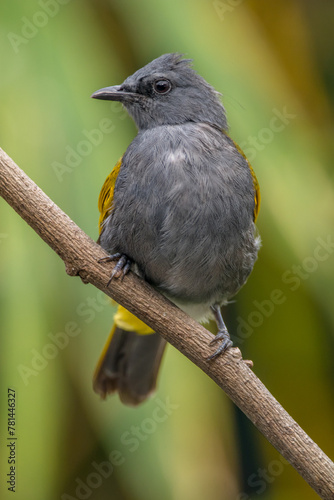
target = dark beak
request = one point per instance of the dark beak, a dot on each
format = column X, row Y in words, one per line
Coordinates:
column 116, row 93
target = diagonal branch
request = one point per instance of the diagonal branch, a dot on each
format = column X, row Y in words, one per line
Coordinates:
column 230, row 372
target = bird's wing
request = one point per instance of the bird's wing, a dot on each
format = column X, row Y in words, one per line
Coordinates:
column 105, row 203
column 257, row 195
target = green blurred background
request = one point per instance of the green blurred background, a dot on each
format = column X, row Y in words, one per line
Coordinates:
column 274, row 64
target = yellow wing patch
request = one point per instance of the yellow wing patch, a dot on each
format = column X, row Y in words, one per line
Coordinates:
column 257, row 195
column 123, row 318
column 106, row 197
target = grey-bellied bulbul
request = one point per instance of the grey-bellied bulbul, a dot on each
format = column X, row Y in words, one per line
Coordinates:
column 178, row 208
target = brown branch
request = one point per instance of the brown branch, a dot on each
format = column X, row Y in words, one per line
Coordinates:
column 229, row 371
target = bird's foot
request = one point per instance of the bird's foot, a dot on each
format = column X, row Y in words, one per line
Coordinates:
column 121, row 268
column 222, row 336
column 225, row 342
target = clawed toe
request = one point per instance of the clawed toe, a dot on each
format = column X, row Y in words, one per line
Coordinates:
column 222, row 336
column 225, row 343
column 110, row 258
column 121, row 268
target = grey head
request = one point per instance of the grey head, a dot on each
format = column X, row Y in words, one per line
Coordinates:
column 167, row 91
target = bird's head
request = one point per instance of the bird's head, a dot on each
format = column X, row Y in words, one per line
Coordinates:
column 167, row 91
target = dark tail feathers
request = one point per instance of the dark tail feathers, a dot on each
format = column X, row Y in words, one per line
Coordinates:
column 129, row 365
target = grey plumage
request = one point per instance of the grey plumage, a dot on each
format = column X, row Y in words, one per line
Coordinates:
column 183, row 206
column 192, row 99
column 183, row 212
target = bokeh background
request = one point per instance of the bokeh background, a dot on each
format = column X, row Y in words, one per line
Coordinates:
column 274, row 64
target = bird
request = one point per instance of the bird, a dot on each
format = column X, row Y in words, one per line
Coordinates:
column 179, row 210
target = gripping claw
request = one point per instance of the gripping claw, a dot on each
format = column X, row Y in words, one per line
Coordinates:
column 121, row 268
column 222, row 334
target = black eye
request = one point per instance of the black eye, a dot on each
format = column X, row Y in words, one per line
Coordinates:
column 162, row 86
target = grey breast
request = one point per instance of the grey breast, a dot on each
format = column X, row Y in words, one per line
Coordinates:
column 183, row 212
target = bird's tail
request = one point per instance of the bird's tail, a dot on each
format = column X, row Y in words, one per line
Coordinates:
column 130, row 360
